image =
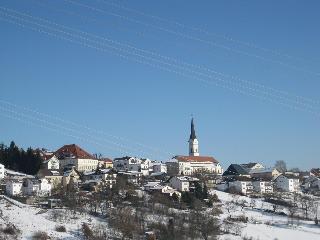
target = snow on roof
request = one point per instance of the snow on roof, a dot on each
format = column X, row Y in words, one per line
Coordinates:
column 261, row 170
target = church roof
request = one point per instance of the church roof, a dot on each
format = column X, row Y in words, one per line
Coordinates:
column 73, row 150
column 196, row 159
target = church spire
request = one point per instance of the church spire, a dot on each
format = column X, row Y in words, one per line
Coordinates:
column 193, row 132
column 193, row 142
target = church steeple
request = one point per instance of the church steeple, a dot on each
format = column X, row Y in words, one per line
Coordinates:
column 193, row 132
column 193, row 142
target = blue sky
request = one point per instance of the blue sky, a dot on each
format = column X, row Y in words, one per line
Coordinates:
column 143, row 107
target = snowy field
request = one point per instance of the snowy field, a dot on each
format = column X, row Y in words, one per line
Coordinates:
column 261, row 225
column 31, row 219
column 267, row 226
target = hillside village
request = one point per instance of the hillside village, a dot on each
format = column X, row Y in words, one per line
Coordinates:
column 183, row 193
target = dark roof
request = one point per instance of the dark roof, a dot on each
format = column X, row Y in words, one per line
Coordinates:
column 315, row 171
column 196, row 159
column 248, row 165
column 240, row 178
column 236, row 169
column 73, row 150
column 122, row 158
column 193, row 132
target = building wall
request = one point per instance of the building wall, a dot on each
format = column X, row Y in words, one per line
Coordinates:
column 180, row 185
column 13, row 188
column 1, row 171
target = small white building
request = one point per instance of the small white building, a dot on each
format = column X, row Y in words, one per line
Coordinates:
column 103, row 176
column 287, row 183
column 36, row 187
column 180, row 183
column 1, row 171
column 241, row 185
column 262, row 186
column 133, row 177
column 127, row 164
column 312, row 183
column 159, row 168
column 14, row 187
column 51, row 163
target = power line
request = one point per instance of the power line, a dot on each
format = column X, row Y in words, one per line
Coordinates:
column 170, row 70
column 267, row 92
column 197, row 29
column 267, row 88
column 83, row 127
column 193, row 38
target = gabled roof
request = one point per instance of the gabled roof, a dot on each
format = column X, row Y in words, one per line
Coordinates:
column 107, row 160
column 262, row 170
column 73, row 150
column 248, row 165
column 236, row 169
column 195, row 159
column 315, row 172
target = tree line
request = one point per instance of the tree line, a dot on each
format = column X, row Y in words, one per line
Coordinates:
column 17, row 159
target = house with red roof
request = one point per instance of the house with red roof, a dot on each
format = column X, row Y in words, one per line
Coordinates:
column 73, row 156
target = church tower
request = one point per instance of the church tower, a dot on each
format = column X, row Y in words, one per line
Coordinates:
column 193, row 142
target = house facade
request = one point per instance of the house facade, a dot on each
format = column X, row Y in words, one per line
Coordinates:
column 73, row 155
column 262, row 186
column 51, row 162
column 287, row 183
column 36, row 187
column 14, row 187
column 1, row 171
column 241, row 185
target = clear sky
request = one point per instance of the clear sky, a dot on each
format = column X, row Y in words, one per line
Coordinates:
column 129, row 82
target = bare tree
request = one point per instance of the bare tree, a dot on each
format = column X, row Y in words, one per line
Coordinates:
column 281, row 166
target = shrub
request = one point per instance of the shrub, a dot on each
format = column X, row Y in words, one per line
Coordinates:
column 87, row 232
column 40, row 236
column 61, row 228
column 10, row 229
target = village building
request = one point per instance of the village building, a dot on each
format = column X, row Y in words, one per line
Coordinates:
column 105, row 163
column 50, row 162
column 71, row 178
column 194, row 163
column 73, row 155
column 105, row 177
column 312, row 183
column 14, row 187
column 133, row 177
column 1, row 171
column 236, row 170
column 315, row 172
column 287, row 183
column 262, row 185
column 241, row 184
column 266, row 173
column 127, row 163
column 183, row 183
column 54, row 177
column 36, row 187
column 159, row 168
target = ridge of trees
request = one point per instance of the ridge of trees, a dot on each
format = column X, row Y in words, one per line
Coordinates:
column 17, row 159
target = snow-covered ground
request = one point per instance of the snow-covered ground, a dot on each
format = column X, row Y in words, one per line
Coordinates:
column 266, row 226
column 261, row 225
column 31, row 219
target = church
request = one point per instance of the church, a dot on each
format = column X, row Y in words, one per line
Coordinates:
column 193, row 163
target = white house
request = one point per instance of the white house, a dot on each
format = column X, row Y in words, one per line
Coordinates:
column 51, row 162
column 1, row 171
column 105, row 176
column 287, row 183
column 241, row 185
column 14, row 187
column 133, row 177
column 146, row 166
column 73, row 155
column 262, row 186
column 180, row 183
column 159, row 168
column 312, row 183
column 37, row 187
column 127, row 164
